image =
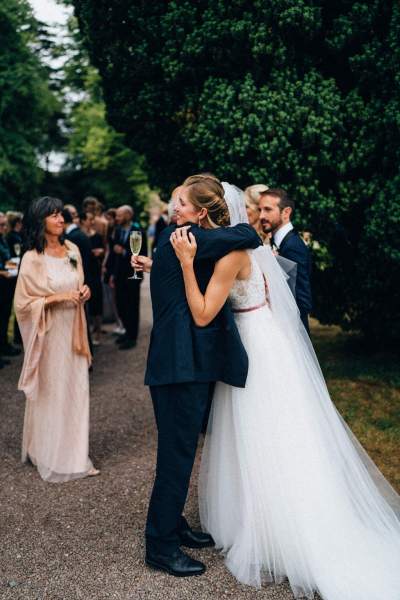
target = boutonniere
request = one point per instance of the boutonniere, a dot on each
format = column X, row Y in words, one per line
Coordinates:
column 73, row 259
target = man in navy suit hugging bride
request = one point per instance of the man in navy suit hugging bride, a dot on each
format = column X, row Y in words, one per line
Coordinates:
column 184, row 362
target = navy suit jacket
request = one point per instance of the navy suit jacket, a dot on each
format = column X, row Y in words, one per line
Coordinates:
column 179, row 350
column 293, row 247
column 79, row 237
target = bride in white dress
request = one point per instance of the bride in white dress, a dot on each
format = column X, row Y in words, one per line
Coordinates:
column 285, row 488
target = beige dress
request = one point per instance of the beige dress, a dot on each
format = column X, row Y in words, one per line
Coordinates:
column 56, row 426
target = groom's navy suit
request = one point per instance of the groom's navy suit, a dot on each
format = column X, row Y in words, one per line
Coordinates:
column 183, row 362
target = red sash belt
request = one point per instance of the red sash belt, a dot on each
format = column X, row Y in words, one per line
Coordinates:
column 244, row 310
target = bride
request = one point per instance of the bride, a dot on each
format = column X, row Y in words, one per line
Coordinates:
column 285, row 488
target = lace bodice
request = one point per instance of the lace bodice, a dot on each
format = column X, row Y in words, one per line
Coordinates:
column 248, row 293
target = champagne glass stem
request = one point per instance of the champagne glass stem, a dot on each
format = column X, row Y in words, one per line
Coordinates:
column 135, row 242
column 134, row 276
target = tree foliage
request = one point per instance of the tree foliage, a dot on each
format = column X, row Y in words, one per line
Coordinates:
column 97, row 161
column 27, row 104
column 108, row 168
column 298, row 93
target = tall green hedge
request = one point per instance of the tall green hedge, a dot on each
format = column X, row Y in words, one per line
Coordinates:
column 296, row 93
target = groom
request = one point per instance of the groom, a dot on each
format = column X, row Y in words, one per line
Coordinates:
column 183, row 363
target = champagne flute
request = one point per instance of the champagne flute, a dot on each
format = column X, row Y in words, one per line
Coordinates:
column 135, row 242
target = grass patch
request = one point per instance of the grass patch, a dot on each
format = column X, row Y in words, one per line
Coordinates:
column 365, row 387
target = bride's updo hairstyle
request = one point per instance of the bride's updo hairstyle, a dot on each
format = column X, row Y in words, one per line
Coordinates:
column 206, row 191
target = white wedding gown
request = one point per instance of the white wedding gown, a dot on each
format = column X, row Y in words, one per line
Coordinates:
column 285, row 489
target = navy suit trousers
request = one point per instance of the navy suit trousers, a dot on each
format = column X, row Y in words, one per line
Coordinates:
column 179, row 411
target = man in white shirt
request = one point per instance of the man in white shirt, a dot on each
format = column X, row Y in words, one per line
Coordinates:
column 276, row 210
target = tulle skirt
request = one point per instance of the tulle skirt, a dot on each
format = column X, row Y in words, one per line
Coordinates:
column 286, row 490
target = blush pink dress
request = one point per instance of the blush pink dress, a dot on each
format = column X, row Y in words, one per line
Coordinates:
column 56, row 425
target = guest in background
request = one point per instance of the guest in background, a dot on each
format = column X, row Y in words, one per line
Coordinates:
column 276, row 211
column 110, row 305
column 110, row 215
column 15, row 240
column 127, row 291
column 74, row 213
column 4, row 288
column 154, row 213
column 49, row 304
column 74, row 234
column 89, row 204
column 160, row 223
column 5, row 253
column 93, row 205
column 98, row 252
column 252, row 200
column 101, row 221
column 8, row 281
column 14, row 236
column 172, row 216
column 306, row 236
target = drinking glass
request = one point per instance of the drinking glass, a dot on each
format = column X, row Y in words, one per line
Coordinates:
column 135, row 242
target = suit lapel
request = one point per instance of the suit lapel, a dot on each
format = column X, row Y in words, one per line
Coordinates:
column 287, row 237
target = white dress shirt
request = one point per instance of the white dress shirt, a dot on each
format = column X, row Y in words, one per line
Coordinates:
column 70, row 228
column 281, row 233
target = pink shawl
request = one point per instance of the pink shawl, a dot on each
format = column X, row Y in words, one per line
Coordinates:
column 34, row 319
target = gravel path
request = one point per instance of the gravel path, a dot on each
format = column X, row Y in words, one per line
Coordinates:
column 83, row 540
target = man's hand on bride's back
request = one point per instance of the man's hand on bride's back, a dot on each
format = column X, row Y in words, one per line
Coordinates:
column 141, row 263
column 184, row 244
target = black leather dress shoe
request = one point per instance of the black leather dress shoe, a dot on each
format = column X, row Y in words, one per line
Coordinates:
column 178, row 564
column 121, row 339
column 196, row 539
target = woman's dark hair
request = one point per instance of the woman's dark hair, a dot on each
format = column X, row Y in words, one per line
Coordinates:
column 34, row 221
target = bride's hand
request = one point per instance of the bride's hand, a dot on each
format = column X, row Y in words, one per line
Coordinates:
column 184, row 244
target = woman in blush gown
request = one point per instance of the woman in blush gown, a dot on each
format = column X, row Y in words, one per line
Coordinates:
column 49, row 301
column 285, row 488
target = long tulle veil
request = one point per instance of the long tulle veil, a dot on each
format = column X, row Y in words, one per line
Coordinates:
column 364, row 483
